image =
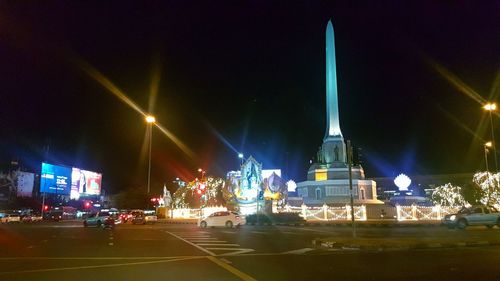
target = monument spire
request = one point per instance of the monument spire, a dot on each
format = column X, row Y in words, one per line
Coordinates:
column 332, row 104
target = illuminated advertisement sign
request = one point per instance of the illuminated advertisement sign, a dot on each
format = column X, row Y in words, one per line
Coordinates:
column 55, row 179
column 85, row 183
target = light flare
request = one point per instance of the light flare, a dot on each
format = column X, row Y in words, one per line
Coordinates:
column 108, row 85
column 456, row 82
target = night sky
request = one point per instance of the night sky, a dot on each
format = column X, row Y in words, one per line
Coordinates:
column 246, row 76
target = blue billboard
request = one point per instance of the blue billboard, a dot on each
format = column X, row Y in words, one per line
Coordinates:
column 55, row 179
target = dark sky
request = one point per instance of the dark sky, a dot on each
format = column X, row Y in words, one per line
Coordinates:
column 252, row 73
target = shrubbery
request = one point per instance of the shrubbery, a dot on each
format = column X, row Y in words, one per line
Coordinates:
column 274, row 218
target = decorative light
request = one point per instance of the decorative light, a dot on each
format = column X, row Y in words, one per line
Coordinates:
column 291, row 186
column 402, row 182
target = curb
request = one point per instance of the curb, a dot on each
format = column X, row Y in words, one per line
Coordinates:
column 336, row 246
column 177, row 222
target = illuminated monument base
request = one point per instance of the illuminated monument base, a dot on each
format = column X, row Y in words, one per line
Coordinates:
column 330, row 185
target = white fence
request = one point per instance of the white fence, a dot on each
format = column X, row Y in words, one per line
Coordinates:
column 419, row 213
column 195, row 213
column 326, row 213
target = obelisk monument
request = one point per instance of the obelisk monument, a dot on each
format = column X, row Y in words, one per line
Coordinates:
column 333, row 148
column 328, row 177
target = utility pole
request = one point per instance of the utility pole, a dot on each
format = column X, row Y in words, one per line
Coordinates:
column 349, row 162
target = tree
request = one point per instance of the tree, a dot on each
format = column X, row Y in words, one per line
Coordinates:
column 489, row 187
column 448, row 195
column 212, row 195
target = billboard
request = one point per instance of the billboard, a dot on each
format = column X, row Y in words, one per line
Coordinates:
column 25, row 183
column 55, row 179
column 84, row 183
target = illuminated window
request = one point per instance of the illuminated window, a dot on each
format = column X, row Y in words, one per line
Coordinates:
column 320, row 175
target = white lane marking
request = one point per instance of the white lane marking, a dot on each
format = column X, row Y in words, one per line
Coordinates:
column 234, row 251
column 288, row 232
column 229, row 232
column 298, row 251
column 111, row 238
column 207, row 241
column 226, row 261
column 110, row 244
column 192, row 238
column 259, row 232
column 214, row 244
column 192, row 244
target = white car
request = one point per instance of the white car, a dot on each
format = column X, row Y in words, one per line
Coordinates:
column 10, row 218
column 226, row 218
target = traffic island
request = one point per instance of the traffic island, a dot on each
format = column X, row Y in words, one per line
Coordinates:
column 384, row 244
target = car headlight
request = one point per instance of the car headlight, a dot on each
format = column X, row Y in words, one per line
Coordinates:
column 453, row 217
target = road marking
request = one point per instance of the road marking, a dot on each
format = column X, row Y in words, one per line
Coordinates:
column 229, row 232
column 298, row 251
column 288, row 232
column 207, row 241
column 234, row 251
column 233, row 270
column 93, row 258
column 110, row 244
column 259, row 232
column 111, row 238
column 215, row 244
column 98, row 266
column 192, row 244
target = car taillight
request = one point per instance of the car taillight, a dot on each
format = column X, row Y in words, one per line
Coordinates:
column 237, row 217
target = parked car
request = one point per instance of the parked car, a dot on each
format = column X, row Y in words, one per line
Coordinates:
column 143, row 217
column 31, row 218
column 475, row 215
column 8, row 218
column 226, row 218
column 100, row 219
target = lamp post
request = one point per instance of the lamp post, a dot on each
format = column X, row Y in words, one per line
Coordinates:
column 490, row 107
column 240, row 155
column 150, row 120
column 486, row 146
column 202, row 173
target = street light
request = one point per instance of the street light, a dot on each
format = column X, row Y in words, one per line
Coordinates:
column 240, row 155
column 150, row 120
column 490, row 107
column 202, row 172
column 486, row 146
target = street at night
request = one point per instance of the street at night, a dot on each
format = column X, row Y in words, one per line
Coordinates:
column 249, row 140
column 185, row 252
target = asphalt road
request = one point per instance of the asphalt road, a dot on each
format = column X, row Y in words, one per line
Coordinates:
column 56, row 251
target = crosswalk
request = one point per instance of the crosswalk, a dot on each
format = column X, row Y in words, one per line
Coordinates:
column 211, row 245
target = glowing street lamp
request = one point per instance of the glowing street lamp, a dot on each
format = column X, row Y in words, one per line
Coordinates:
column 150, row 120
column 490, row 107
